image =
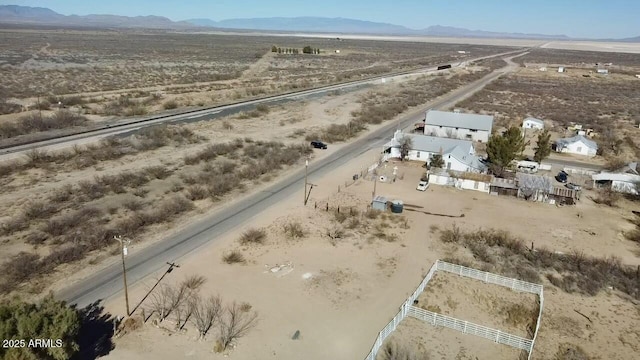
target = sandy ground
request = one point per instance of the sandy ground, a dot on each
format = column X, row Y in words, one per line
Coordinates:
column 340, row 296
column 477, row 302
column 446, row 344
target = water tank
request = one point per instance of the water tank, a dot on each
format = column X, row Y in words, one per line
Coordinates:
column 397, row 206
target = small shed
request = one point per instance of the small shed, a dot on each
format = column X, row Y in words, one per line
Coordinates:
column 564, row 196
column 500, row 186
column 379, row 203
column 561, row 69
column 603, row 71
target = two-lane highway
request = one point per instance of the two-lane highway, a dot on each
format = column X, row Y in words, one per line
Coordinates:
column 107, row 282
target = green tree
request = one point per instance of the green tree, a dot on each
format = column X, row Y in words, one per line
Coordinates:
column 279, row 51
column 405, row 146
column 503, row 149
column 274, row 48
column 49, row 319
column 543, row 146
column 307, row 50
column 436, row 161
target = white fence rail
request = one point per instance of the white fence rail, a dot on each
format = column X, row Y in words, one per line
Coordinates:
column 466, row 327
column 463, row 326
column 487, row 277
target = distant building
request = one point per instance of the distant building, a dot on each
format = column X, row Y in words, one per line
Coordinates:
column 578, row 144
column 533, row 123
column 561, row 69
column 458, row 125
column 603, row 71
column 624, row 180
column 458, row 155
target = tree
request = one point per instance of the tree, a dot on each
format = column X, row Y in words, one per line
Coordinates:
column 307, row 50
column 609, row 143
column 274, row 49
column 543, row 146
column 505, row 148
column 436, row 161
column 206, row 313
column 405, row 146
column 238, row 321
column 49, row 319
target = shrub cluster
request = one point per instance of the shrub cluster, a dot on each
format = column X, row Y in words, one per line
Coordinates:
column 576, row 272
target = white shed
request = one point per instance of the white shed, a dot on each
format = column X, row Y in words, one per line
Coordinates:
column 561, row 69
column 533, row 123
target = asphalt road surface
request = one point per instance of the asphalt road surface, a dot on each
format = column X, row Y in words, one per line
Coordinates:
column 108, row 282
column 573, row 163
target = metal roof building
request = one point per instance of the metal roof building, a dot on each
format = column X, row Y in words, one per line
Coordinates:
column 459, row 120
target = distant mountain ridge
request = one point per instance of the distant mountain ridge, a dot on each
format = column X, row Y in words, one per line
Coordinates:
column 15, row 14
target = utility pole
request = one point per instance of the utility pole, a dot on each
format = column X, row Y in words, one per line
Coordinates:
column 123, row 250
column 306, row 173
column 375, row 182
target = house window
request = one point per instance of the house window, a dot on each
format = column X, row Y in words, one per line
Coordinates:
column 579, row 149
column 418, row 154
column 475, row 185
column 473, row 130
column 468, row 136
column 449, row 166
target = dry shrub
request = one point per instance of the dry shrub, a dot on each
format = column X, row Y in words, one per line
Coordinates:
column 196, row 192
column 571, row 352
column 133, row 204
column 158, row 172
column 575, row 272
column 372, row 214
column 234, row 257
column 21, row 267
column 36, row 123
column 452, row 235
column 253, row 236
column 66, row 223
column 607, row 197
column 62, row 194
column 394, row 350
column 39, row 210
column 170, row 104
column 294, row 230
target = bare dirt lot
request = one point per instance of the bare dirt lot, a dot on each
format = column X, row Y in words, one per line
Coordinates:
column 342, row 290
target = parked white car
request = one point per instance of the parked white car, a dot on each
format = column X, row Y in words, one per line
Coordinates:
column 422, row 186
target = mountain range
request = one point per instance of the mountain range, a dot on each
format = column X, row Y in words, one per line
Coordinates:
column 25, row 15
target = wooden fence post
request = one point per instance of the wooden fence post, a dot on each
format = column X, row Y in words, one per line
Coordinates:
column 327, row 206
column 338, row 209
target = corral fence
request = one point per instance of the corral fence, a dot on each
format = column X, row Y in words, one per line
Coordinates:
column 466, row 327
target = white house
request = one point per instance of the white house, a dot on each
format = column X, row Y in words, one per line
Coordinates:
column 457, row 154
column 458, row 125
column 578, row 144
column 533, row 123
column 624, row 180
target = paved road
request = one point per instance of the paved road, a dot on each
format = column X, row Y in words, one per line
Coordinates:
column 108, row 282
column 573, row 163
column 8, row 152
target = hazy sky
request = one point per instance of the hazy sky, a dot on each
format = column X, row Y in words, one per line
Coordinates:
column 576, row 18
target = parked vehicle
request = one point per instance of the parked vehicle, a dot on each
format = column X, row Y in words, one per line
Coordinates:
column 422, row 186
column 562, row 177
column 573, row 186
column 319, row 145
